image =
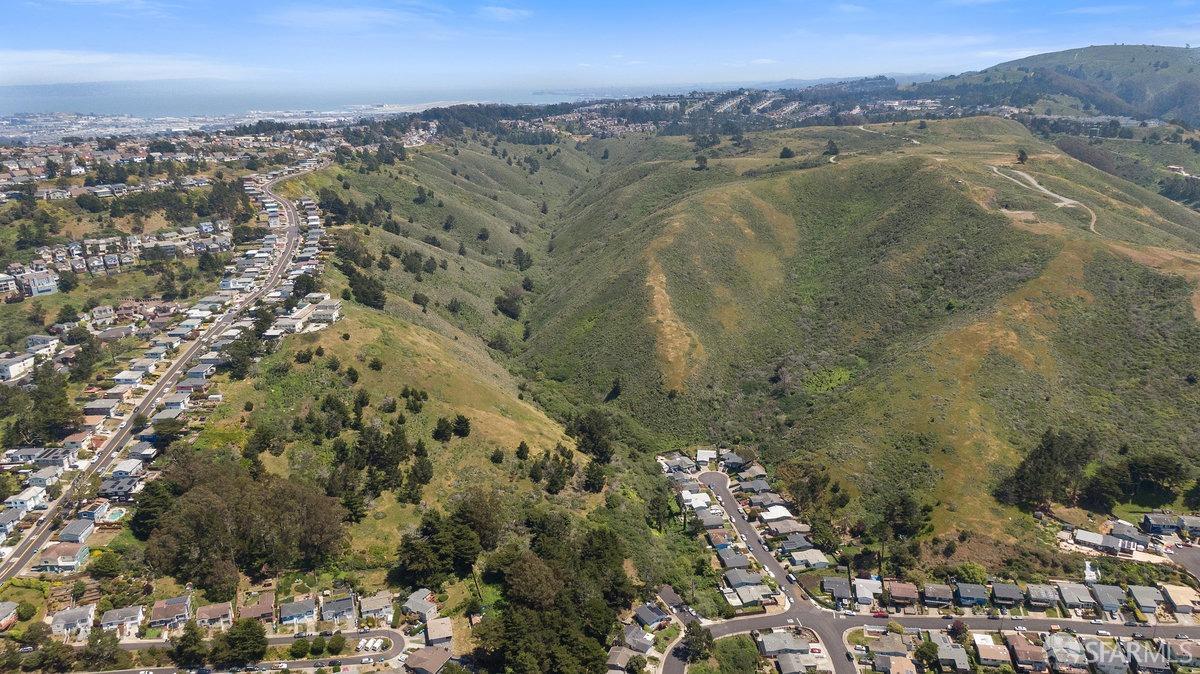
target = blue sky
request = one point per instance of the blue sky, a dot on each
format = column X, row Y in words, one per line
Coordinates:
column 436, row 44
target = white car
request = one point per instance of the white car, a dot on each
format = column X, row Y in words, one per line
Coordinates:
column 1103, row 633
column 368, row 661
column 281, row 665
column 1021, row 628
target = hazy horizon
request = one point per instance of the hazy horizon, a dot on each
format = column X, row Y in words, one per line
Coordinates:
column 380, row 48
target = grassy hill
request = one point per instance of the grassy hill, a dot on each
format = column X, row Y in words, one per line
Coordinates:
column 1135, row 80
column 910, row 313
column 905, row 311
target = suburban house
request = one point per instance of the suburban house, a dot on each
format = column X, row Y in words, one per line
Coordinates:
column 903, row 594
column 94, row 511
column 1105, row 659
column 775, row 644
column 77, row 441
column 177, row 401
column 937, row 594
column 120, row 489
column 866, row 589
column 215, row 615
column 618, row 659
column 439, row 632
column 651, row 616
column 73, row 622
column 77, row 531
column 45, row 477
column 8, row 614
column 732, row 559
column 9, row 519
column 1146, row 599
column 1041, row 596
column 428, row 660
column 124, row 621
column 339, row 610
column 1007, row 594
column 61, row 457
column 1075, row 596
column 101, row 407
column 838, row 588
column 992, row 655
column 420, row 602
column 296, row 612
column 129, row 377
column 378, row 607
column 637, row 639
column 971, row 594
column 1027, row 656
column 1160, row 523
column 61, row 558
column 262, row 609
column 1108, row 597
column 1066, row 653
column 16, row 366
column 952, row 657
column 809, row 559
column 1145, row 659
column 128, row 468
column 171, row 613
column 1182, row 599
column 1180, row 650
column 29, row 498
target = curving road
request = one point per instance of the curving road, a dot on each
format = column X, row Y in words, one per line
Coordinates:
column 37, row 536
column 831, row 626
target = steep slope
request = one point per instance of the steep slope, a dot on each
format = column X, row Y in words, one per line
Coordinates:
column 908, row 312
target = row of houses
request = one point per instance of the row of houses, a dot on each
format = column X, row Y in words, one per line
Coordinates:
column 172, row 613
column 1059, row 652
column 865, row 592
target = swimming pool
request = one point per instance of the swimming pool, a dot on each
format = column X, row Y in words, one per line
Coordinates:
column 114, row 515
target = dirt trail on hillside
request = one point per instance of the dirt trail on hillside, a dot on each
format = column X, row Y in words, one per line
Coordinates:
column 1164, row 260
column 1031, row 183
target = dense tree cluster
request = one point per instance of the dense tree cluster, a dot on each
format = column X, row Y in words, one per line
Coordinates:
column 207, row 519
column 43, row 414
column 561, row 596
column 1052, row 470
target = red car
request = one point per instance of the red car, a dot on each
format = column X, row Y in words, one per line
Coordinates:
column 879, row 614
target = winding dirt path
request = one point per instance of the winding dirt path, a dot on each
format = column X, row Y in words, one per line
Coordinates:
column 1031, row 183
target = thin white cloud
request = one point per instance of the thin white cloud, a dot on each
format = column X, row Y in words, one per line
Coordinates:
column 502, row 13
column 762, row 62
column 59, row 66
column 1100, row 10
column 336, row 20
column 145, row 7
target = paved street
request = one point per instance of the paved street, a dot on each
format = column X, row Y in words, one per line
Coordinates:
column 831, row 626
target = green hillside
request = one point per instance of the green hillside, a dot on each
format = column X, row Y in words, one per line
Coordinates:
column 910, row 313
column 883, row 315
column 1135, row 80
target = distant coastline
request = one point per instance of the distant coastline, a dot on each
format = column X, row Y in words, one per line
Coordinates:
column 207, row 98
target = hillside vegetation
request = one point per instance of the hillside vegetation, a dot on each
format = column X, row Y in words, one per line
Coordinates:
column 1133, row 80
column 911, row 313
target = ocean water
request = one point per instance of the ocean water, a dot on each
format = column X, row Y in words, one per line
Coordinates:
column 185, row 98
